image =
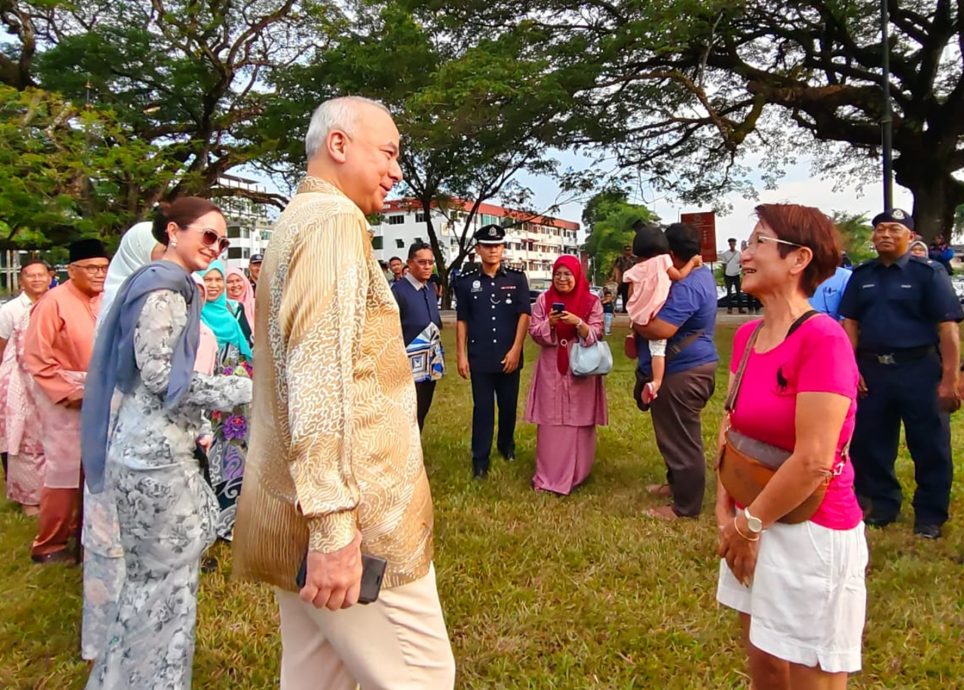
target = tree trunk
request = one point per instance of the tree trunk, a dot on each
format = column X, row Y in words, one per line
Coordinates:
column 936, row 193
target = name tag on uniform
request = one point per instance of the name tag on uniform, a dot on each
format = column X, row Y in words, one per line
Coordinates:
column 868, row 285
column 907, row 287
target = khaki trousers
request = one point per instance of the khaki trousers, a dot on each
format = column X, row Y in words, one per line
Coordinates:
column 396, row 643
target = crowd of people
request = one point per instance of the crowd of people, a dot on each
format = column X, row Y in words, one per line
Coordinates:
column 156, row 402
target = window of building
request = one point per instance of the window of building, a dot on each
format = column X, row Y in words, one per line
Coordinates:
column 419, row 216
column 377, row 242
column 234, row 231
column 400, row 243
column 396, row 220
column 234, row 252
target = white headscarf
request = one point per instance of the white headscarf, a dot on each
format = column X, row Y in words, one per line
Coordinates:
column 134, row 251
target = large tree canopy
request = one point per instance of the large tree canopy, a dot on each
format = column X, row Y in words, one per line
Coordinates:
column 702, row 95
column 172, row 92
column 472, row 114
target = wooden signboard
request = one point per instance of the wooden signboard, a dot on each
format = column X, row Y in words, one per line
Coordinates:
column 705, row 222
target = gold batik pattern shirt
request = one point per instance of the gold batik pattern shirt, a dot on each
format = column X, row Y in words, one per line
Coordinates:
column 334, row 440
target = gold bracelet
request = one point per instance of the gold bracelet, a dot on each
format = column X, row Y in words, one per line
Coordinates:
column 737, row 528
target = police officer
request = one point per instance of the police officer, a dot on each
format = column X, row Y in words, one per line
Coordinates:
column 901, row 314
column 493, row 317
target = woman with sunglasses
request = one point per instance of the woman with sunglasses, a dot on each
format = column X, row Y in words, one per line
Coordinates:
column 143, row 414
column 794, row 552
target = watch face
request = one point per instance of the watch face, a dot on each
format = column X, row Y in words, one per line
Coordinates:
column 754, row 523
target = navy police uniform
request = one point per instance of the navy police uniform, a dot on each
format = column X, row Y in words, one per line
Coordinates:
column 898, row 308
column 490, row 308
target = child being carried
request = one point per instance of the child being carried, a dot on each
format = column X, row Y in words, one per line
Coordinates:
column 649, row 284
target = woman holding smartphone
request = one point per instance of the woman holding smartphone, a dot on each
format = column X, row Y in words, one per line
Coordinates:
column 565, row 408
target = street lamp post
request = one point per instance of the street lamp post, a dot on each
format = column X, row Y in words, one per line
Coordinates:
column 886, row 121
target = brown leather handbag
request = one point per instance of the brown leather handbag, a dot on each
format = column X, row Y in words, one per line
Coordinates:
column 745, row 465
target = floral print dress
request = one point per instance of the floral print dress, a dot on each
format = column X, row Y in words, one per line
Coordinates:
column 166, row 511
column 230, row 447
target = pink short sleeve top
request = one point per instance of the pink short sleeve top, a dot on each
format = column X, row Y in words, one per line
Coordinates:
column 816, row 358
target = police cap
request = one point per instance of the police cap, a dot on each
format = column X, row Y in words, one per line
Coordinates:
column 490, row 234
column 894, row 215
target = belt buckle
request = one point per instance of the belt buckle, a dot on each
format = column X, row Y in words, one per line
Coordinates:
column 886, row 359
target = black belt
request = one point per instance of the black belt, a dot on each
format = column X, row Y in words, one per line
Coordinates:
column 896, row 356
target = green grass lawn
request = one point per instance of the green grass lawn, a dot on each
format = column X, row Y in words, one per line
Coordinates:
column 540, row 591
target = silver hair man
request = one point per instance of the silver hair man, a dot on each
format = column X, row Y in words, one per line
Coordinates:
column 337, row 113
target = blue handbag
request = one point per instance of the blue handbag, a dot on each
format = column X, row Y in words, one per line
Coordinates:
column 590, row 360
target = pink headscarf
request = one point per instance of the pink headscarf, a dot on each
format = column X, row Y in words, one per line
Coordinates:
column 247, row 297
column 207, row 347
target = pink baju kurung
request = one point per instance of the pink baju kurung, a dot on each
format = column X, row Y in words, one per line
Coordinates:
column 22, row 430
column 58, row 346
column 566, row 408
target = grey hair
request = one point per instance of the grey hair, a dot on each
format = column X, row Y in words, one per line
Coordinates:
column 335, row 113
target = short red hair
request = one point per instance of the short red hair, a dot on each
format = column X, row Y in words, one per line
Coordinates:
column 808, row 227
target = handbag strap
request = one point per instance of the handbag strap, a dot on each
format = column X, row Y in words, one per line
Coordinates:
column 730, row 404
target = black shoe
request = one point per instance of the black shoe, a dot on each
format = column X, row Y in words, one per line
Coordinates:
column 480, row 468
column 928, row 531
column 62, row 556
column 509, row 457
column 878, row 522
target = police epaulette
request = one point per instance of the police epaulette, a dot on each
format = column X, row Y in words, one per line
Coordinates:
column 514, row 269
column 470, row 272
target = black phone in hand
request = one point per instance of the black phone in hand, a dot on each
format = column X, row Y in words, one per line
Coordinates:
column 558, row 307
column 373, row 570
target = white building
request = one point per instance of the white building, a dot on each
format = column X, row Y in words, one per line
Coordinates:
column 249, row 226
column 533, row 243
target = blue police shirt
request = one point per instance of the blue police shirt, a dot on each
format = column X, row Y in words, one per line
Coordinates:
column 417, row 306
column 826, row 298
column 491, row 306
column 899, row 306
column 691, row 306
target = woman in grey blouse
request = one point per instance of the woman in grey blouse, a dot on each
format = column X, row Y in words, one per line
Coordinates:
column 145, row 451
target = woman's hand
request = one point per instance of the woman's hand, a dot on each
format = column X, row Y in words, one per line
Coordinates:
column 554, row 318
column 740, row 553
column 205, row 442
column 569, row 318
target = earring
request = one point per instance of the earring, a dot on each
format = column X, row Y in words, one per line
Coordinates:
column 174, row 244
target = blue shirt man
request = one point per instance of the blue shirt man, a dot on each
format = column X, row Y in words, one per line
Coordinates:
column 688, row 322
column 421, row 325
column 826, row 298
column 901, row 314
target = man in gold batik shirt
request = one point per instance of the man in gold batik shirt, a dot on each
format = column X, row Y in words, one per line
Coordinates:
column 335, row 460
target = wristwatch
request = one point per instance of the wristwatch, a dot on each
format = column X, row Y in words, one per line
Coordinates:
column 754, row 524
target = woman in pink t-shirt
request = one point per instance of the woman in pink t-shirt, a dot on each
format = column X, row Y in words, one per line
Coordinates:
column 799, row 587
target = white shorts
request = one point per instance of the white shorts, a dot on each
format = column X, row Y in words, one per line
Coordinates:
column 657, row 348
column 807, row 600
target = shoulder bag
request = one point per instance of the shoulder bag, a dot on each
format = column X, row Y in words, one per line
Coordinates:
column 745, row 465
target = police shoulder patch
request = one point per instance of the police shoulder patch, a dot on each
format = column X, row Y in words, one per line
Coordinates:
column 468, row 273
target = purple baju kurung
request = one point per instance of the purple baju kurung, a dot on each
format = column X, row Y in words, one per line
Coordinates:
column 566, row 408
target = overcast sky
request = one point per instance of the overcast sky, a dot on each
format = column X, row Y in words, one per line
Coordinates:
column 798, row 186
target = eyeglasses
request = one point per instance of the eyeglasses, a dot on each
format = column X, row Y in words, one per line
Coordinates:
column 92, row 270
column 754, row 242
column 425, row 262
column 210, row 237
